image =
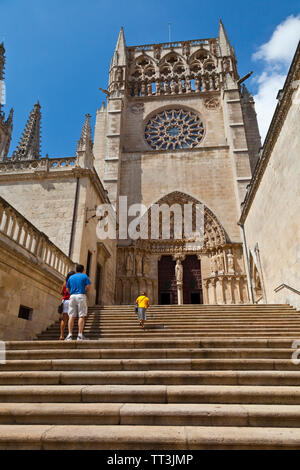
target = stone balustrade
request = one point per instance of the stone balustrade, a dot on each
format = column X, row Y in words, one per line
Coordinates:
column 43, row 164
column 172, row 45
column 62, row 162
column 22, row 233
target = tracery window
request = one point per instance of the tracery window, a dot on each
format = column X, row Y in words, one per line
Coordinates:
column 173, row 74
column 174, row 129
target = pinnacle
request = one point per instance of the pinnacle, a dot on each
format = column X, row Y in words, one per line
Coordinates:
column 29, row 146
column 224, row 41
column 119, row 57
column 10, row 117
column 102, row 109
column 85, row 141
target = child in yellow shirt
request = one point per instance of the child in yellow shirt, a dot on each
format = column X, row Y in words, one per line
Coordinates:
column 142, row 303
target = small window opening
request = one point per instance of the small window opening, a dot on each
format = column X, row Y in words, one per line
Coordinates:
column 25, row 312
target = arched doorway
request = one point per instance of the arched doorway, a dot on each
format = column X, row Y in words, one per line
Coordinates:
column 220, row 278
column 192, row 283
column 167, row 288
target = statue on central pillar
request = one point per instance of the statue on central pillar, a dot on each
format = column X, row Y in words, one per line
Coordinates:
column 179, row 281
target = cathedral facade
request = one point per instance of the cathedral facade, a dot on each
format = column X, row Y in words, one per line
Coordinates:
column 179, row 128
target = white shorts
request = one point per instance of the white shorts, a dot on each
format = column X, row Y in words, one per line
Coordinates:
column 78, row 306
column 66, row 306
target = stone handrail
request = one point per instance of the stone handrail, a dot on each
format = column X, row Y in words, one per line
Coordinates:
column 21, row 232
column 42, row 164
column 281, row 286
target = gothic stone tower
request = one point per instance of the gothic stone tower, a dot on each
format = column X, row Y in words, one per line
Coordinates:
column 177, row 128
column 5, row 125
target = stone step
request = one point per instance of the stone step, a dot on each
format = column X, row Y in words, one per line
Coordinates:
column 215, row 377
column 175, row 353
column 183, row 328
column 199, row 394
column 72, row 437
column 153, row 334
column 184, row 307
column 186, row 325
column 156, row 332
column 157, row 343
column 148, row 364
column 151, row 414
column 136, row 329
column 165, row 377
column 195, row 318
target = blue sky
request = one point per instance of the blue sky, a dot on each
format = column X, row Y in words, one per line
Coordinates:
column 59, row 51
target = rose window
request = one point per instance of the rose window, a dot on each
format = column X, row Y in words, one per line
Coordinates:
column 174, row 129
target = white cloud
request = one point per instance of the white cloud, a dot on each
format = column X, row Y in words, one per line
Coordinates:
column 265, row 99
column 277, row 55
column 283, row 42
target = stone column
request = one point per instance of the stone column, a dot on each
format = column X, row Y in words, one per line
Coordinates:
column 219, row 290
column 230, row 288
column 179, row 280
column 180, row 293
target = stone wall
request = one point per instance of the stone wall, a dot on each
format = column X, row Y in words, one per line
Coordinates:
column 103, row 252
column 32, row 270
column 251, row 127
column 271, row 214
column 205, row 172
column 48, row 201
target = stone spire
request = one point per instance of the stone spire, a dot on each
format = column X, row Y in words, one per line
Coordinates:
column 85, row 143
column 84, row 150
column 229, row 63
column 5, row 126
column 2, row 60
column 225, row 46
column 119, row 57
column 2, row 66
column 9, row 120
column 29, row 146
column 117, row 72
column 103, row 107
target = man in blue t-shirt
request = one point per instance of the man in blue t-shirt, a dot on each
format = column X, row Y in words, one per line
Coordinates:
column 78, row 286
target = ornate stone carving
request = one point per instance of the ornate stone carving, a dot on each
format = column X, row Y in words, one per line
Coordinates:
column 173, row 73
column 119, row 74
column 226, row 65
column 186, row 48
column 139, row 264
column 146, row 265
column 157, row 51
column 179, row 280
column 179, row 271
column 220, row 262
column 213, row 264
column 137, row 108
column 129, row 264
column 230, row 262
column 174, row 129
column 212, row 103
column 214, row 234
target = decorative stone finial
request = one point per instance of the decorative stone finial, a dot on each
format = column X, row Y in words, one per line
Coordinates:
column 29, row 146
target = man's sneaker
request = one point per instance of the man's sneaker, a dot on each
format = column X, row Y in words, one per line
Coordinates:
column 69, row 337
column 81, row 338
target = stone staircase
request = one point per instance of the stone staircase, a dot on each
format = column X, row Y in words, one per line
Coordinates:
column 198, row 377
